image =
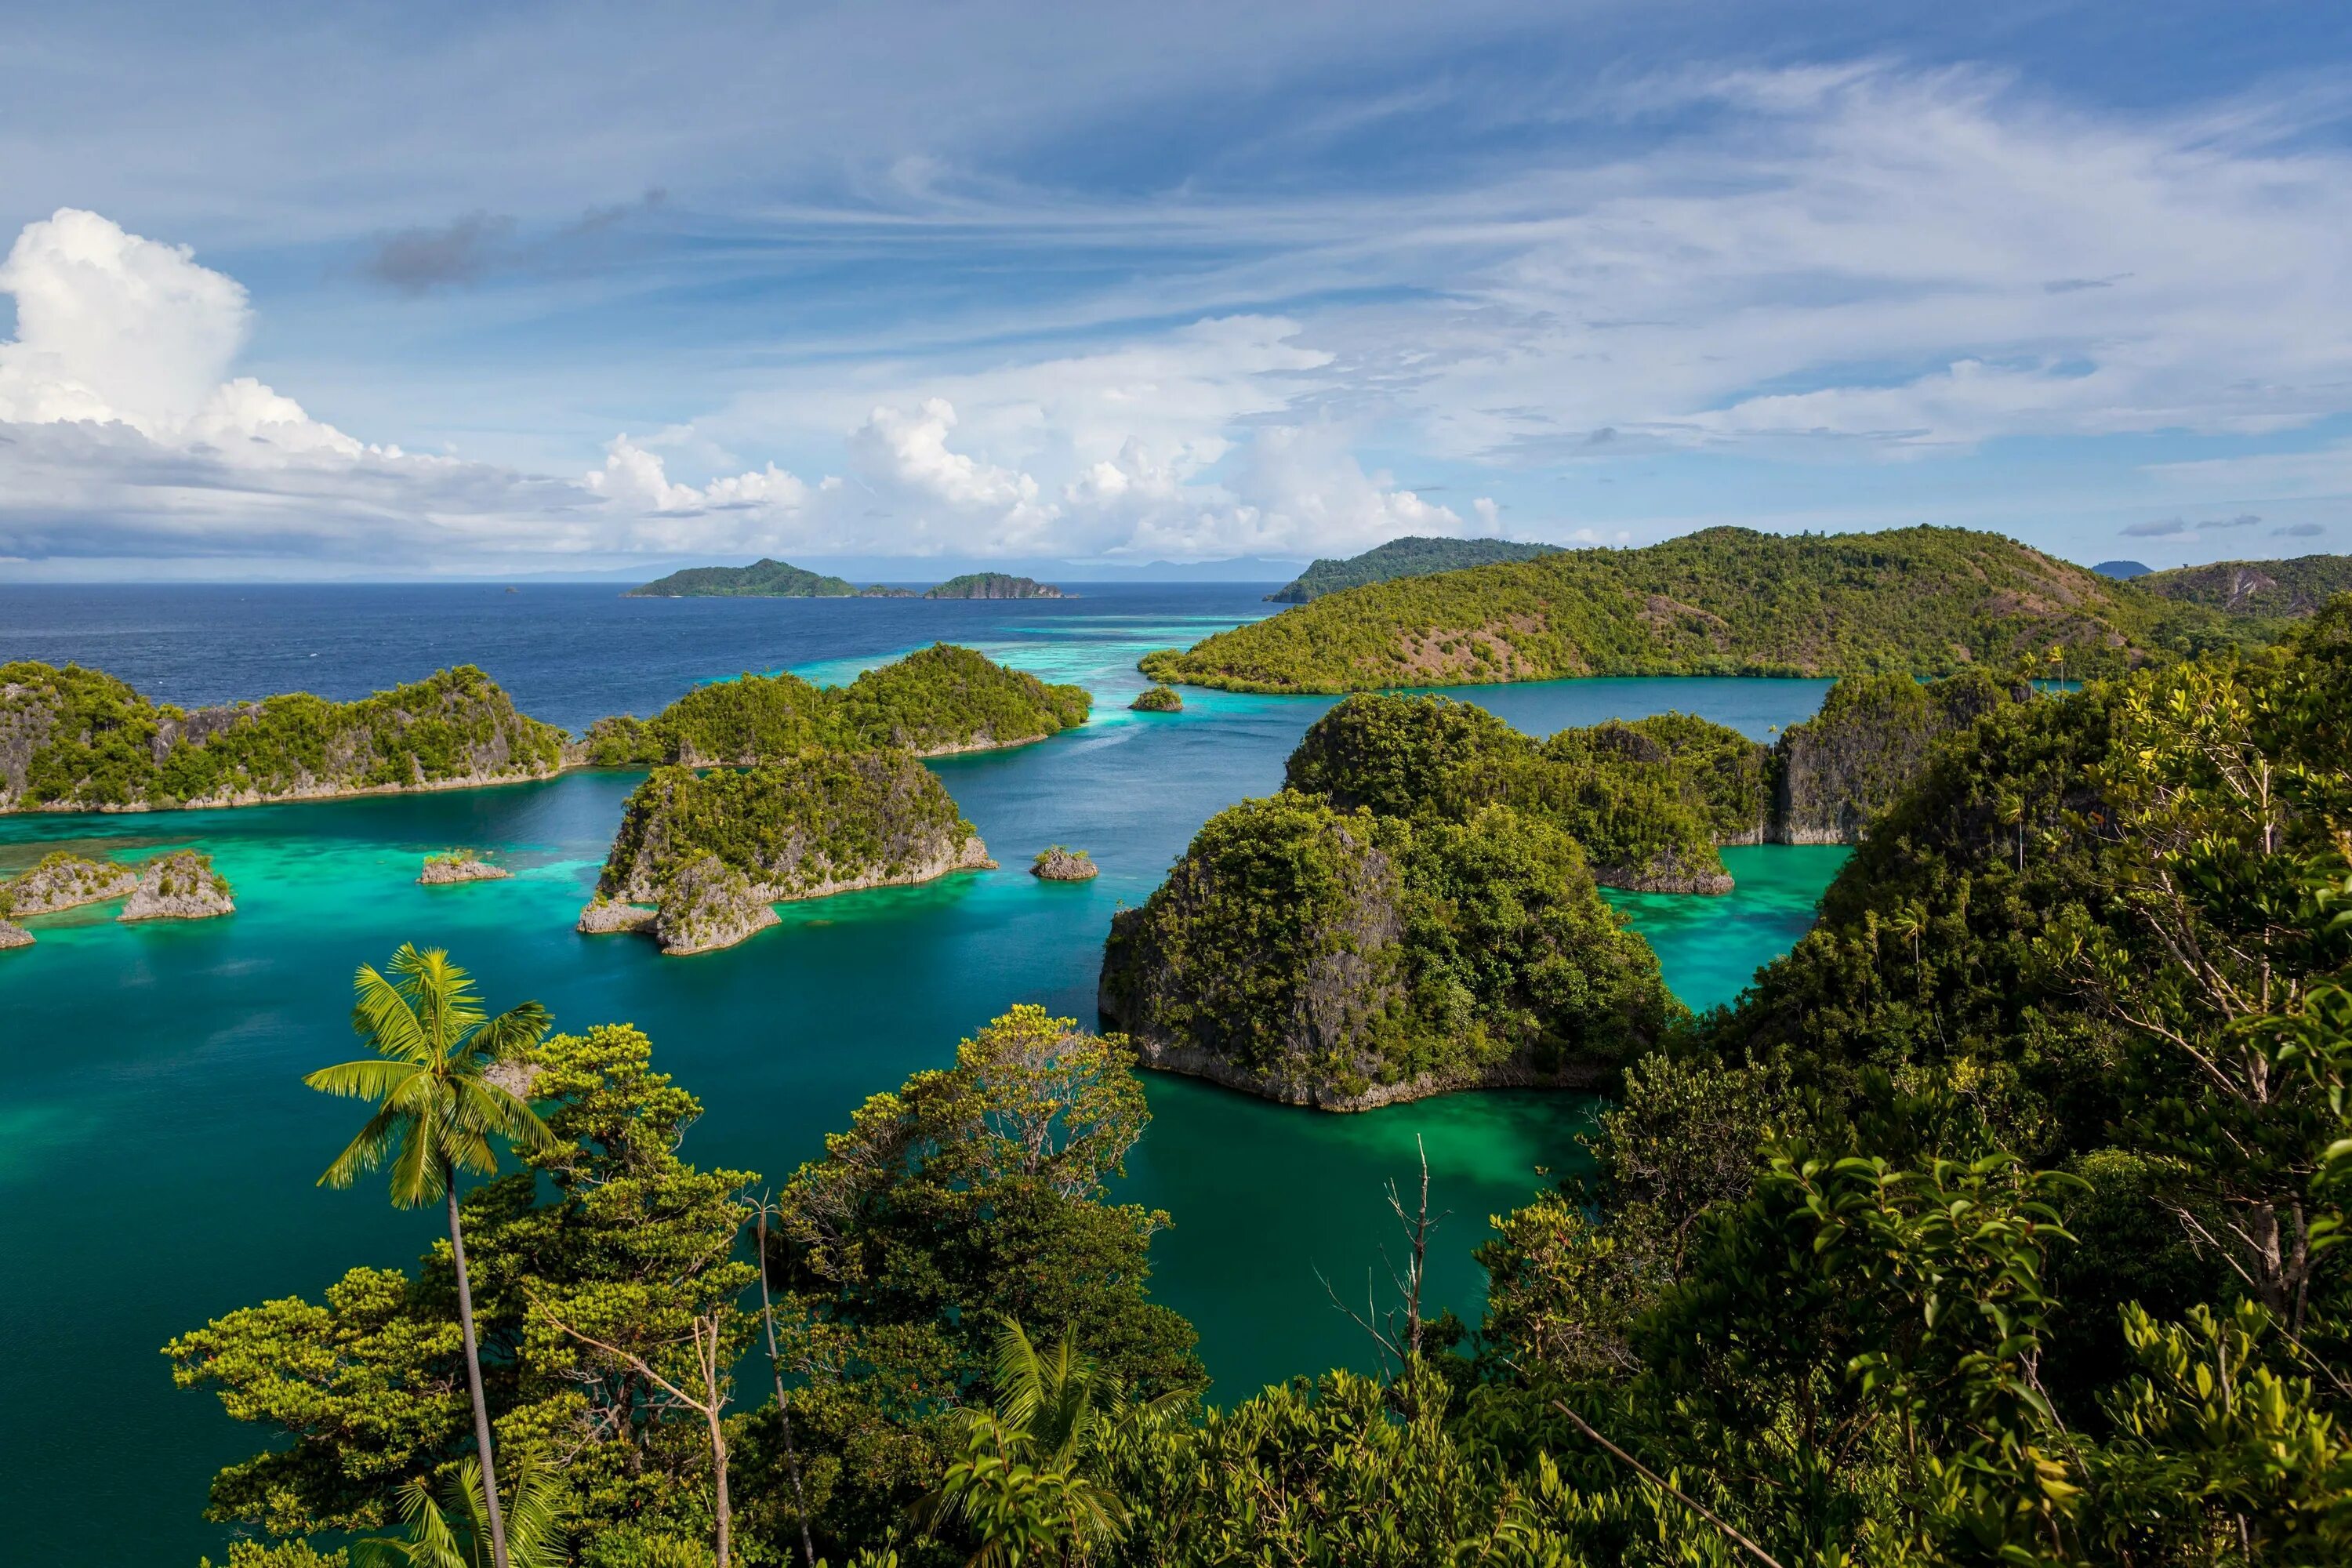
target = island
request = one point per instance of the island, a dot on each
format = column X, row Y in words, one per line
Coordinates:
column 14, row 935
column 994, row 585
column 1345, row 960
column 1158, row 700
column 181, row 886
column 1060, row 865
column 461, row 866
column 1415, row 555
column 708, row 853
column 763, row 579
column 80, row 739
column 1726, row 601
column 64, row 880
column 936, row 701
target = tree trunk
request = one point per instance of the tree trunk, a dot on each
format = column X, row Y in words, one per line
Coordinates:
column 784, row 1411
column 719, row 1480
column 474, row 1382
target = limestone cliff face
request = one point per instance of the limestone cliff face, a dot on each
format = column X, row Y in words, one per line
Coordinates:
column 805, row 829
column 1835, row 774
column 1667, row 873
column 181, row 886
column 1323, row 989
column 14, row 935
column 1060, row 865
column 440, row 870
column 603, row 917
column 63, row 882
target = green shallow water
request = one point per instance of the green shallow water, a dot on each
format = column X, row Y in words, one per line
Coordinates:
column 157, row 1149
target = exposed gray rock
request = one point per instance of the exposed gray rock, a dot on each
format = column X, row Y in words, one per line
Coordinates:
column 461, row 866
column 603, row 916
column 14, row 935
column 1060, row 865
column 709, row 905
column 1666, row 874
column 64, row 880
column 1836, row 772
column 181, row 886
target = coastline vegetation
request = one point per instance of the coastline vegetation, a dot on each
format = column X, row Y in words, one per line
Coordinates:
column 78, row 739
column 938, row 700
column 1724, row 600
column 2260, row 591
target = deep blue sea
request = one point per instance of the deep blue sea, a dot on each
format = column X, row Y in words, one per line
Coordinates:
column 158, row 1150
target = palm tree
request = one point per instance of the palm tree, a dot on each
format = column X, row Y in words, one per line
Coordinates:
column 1016, row 1479
column 452, row 1531
column 437, row 1111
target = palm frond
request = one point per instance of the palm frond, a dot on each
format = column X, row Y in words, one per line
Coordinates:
column 1019, row 1376
column 378, row 1080
column 418, row 1177
column 383, row 1015
column 366, row 1149
column 511, row 1033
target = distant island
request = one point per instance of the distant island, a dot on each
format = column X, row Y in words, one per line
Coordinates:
column 2125, row 570
column 1415, row 555
column 994, row 585
column 2279, row 589
column 1726, row 601
column 765, row 579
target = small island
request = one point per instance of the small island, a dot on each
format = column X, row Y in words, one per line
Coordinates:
column 994, row 585
column 885, row 590
column 708, row 853
column 1060, row 865
column 1158, row 700
column 14, row 935
column 181, row 886
column 64, row 880
column 763, row 579
column 461, row 866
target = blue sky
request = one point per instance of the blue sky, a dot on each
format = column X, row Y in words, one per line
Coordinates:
column 300, row 290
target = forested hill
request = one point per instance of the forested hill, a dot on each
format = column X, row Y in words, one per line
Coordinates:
column 762, row 579
column 1727, row 601
column 2256, row 588
column 78, row 740
column 1411, row 556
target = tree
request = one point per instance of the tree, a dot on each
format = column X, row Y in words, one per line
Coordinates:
column 438, row 1107
column 452, row 1531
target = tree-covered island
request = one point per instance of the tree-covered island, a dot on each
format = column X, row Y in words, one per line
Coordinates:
column 78, row 740
column 1724, row 600
column 1411, row 556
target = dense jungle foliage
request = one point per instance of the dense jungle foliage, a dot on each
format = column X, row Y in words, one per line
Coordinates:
column 992, row 586
column 1411, row 556
column 2002, row 1223
column 2257, row 590
column 1316, row 953
column 1724, row 600
column 1647, row 800
column 940, row 699
column 75, row 739
column 791, row 827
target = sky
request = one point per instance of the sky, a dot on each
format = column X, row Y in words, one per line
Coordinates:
column 430, row 289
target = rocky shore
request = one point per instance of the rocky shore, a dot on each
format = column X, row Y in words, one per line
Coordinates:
column 1158, row 700
column 1060, row 865
column 64, row 880
column 461, row 866
column 181, row 886
column 14, row 935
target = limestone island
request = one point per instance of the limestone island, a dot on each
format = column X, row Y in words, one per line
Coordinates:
column 936, row 701
column 1060, row 865
column 1411, row 556
column 181, row 886
column 64, row 880
column 1158, row 700
column 994, row 585
column 78, row 740
column 14, row 935
column 709, row 853
column 1723, row 600
column 461, row 866
column 763, row 579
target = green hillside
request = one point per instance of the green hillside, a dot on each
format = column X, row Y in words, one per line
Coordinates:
column 763, row 579
column 2256, row 588
column 994, row 585
column 1415, row 555
column 1727, row 601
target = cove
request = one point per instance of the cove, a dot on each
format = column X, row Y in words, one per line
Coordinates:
column 158, row 1150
